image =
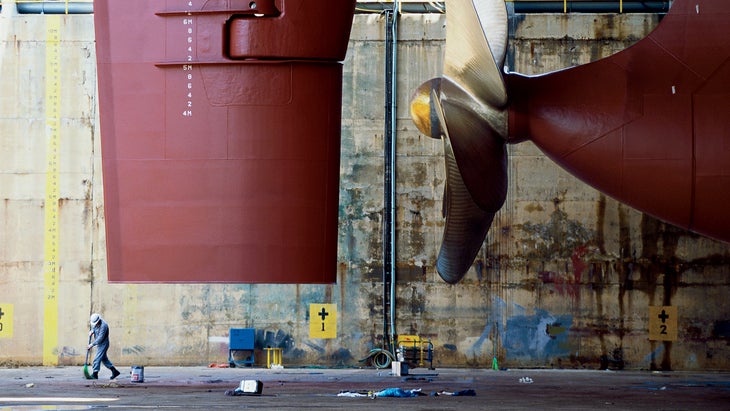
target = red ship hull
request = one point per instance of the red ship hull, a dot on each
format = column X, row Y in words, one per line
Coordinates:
column 649, row 126
column 220, row 143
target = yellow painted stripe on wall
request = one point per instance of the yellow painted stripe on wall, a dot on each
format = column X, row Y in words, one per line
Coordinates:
column 51, row 237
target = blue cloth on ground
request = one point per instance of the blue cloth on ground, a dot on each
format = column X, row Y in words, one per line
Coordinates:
column 398, row 392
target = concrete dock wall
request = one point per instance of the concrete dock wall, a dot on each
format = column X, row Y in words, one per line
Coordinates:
column 565, row 278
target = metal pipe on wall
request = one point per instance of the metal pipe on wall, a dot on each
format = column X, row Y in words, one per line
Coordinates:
column 49, row 7
column 410, row 8
column 525, row 7
column 389, row 180
column 393, row 119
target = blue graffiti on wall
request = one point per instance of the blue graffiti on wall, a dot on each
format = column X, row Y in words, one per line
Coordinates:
column 537, row 337
column 525, row 337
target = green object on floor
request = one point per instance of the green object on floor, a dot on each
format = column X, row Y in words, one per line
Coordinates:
column 87, row 374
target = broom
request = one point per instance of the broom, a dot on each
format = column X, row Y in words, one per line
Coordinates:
column 87, row 374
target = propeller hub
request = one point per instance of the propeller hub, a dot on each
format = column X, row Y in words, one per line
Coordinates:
column 423, row 112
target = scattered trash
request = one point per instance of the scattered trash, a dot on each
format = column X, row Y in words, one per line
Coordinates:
column 351, row 394
column 214, row 365
column 29, row 385
column 388, row 392
column 400, row 392
column 463, row 393
column 526, row 380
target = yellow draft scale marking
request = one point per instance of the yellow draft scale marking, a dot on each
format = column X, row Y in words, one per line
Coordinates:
column 50, row 243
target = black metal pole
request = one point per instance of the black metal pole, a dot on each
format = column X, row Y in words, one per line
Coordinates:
column 388, row 177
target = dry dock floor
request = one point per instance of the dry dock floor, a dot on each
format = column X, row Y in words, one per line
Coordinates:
column 204, row 388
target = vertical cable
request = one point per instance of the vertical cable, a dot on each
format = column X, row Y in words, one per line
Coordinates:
column 389, row 191
column 393, row 132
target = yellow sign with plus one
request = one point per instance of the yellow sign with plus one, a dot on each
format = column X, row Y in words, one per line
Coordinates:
column 322, row 321
column 663, row 323
column 6, row 320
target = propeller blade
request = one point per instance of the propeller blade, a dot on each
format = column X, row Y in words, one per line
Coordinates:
column 466, row 109
column 466, row 223
column 480, row 153
column 476, row 42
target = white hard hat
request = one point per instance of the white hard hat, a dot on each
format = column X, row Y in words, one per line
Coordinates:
column 94, row 319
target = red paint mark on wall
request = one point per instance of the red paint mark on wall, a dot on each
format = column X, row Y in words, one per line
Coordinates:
column 568, row 283
column 578, row 264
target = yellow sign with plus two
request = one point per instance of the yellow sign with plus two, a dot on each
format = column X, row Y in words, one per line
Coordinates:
column 6, row 320
column 662, row 323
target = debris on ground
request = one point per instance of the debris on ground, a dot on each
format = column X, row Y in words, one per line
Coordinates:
column 247, row 387
column 352, row 394
column 461, row 393
column 236, row 392
column 388, row 392
column 400, row 392
column 526, row 380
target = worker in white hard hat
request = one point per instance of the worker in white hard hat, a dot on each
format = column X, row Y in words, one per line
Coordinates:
column 100, row 331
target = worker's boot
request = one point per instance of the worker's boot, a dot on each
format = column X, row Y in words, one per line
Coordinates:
column 95, row 376
column 115, row 373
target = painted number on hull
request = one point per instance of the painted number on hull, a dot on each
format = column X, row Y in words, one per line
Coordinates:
column 189, row 30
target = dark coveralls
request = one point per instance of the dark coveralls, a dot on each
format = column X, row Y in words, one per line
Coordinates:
column 101, row 334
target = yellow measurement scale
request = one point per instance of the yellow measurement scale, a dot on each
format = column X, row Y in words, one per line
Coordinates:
column 50, row 237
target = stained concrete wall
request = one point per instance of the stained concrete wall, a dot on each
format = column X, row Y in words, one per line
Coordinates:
column 565, row 277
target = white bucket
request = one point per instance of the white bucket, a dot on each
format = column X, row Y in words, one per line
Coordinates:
column 137, row 373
